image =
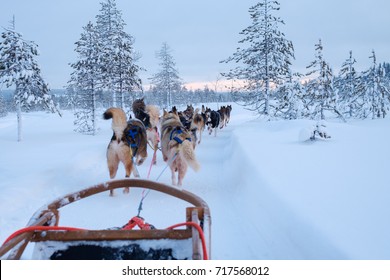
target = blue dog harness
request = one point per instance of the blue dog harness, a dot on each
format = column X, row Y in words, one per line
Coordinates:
column 132, row 140
column 132, row 133
column 174, row 135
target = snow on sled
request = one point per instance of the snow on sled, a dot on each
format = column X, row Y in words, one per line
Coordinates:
column 135, row 241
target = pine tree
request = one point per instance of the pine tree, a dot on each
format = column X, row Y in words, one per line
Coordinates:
column 125, row 78
column 348, row 87
column 21, row 70
column 377, row 92
column 87, row 80
column 383, row 93
column 320, row 92
column 3, row 106
column 386, row 67
column 265, row 58
column 118, row 56
column 167, row 81
column 289, row 96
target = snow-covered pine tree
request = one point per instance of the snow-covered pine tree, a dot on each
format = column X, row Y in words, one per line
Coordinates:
column 167, row 81
column 386, row 74
column 320, row 93
column 264, row 59
column 70, row 97
column 386, row 67
column 348, row 87
column 383, row 87
column 118, row 55
column 376, row 98
column 86, row 80
column 21, row 70
column 3, row 106
column 125, row 79
column 108, row 22
column 289, row 96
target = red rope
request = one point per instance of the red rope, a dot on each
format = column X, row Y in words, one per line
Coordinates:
column 38, row 228
column 151, row 164
column 154, row 158
column 201, row 234
column 137, row 221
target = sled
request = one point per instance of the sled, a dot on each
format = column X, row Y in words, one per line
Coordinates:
column 54, row 242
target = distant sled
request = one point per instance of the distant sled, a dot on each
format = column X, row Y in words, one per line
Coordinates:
column 54, row 242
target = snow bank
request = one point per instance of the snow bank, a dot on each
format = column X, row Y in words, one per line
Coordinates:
column 328, row 198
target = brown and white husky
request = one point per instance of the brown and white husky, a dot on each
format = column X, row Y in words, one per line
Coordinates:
column 150, row 116
column 128, row 142
column 176, row 147
column 197, row 125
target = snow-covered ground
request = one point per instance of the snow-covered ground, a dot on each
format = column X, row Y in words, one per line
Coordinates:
column 271, row 195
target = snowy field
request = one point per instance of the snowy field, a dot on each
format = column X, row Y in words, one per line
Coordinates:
column 271, row 195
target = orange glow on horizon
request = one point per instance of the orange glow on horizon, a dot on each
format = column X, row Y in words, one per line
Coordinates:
column 218, row 86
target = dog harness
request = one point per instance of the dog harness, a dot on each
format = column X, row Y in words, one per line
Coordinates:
column 174, row 135
column 131, row 139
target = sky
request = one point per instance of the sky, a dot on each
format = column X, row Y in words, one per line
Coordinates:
column 202, row 33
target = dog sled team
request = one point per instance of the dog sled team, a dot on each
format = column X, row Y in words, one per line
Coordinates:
column 176, row 133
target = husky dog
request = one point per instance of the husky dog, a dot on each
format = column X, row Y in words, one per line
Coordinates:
column 189, row 112
column 197, row 126
column 176, row 147
column 150, row 116
column 129, row 141
column 203, row 109
column 213, row 119
column 228, row 110
column 223, row 117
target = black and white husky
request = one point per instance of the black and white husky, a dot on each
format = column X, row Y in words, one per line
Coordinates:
column 213, row 118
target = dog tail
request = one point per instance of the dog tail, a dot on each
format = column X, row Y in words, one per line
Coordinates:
column 119, row 122
column 187, row 151
column 154, row 114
